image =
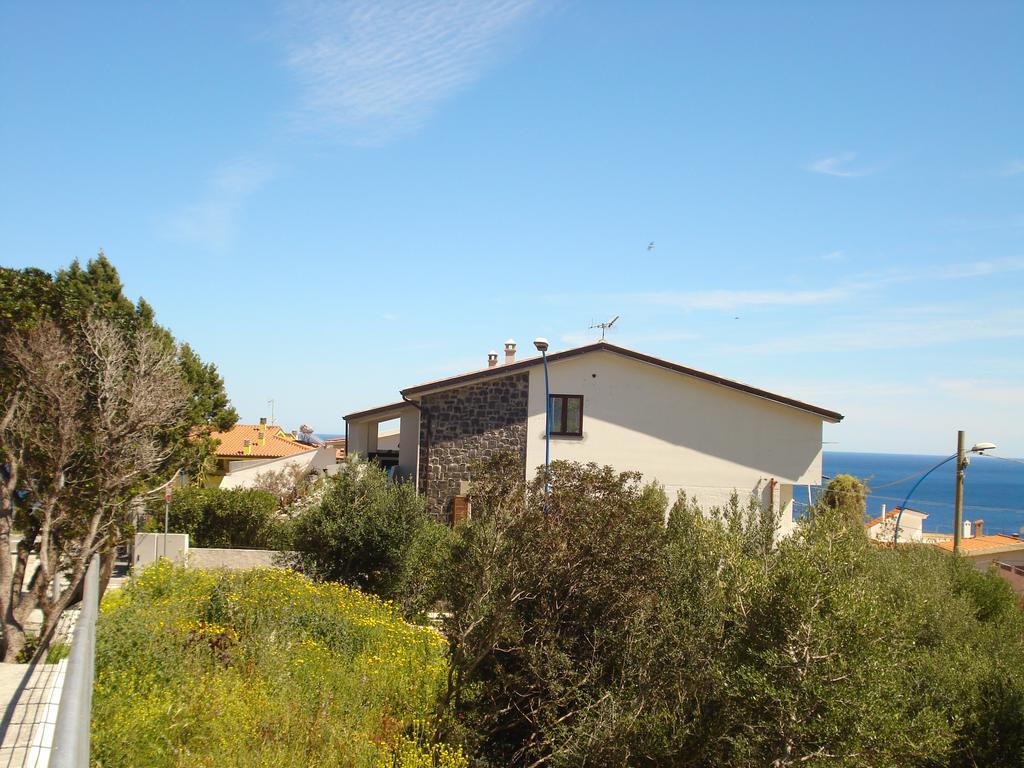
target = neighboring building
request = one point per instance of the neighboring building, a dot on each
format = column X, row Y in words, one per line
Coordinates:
column 689, row 430
column 247, row 450
column 883, row 528
column 985, row 549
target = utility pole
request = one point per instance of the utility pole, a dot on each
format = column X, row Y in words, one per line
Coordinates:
column 958, row 499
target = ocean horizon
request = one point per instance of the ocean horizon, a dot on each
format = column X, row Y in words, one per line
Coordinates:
column 993, row 487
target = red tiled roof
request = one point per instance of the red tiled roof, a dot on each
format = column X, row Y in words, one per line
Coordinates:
column 276, row 444
column 977, row 545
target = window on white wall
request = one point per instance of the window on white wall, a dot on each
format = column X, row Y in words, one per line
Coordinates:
column 567, row 415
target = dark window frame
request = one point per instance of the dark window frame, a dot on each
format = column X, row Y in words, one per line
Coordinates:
column 561, row 429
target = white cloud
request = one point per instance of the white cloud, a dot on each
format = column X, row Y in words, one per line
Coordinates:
column 212, row 222
column 628, row 339
column 980, row 268
column 839, row 165
column 834, row 256
column 1014, row 168
column 376, row 69
column 876, row 332
column 996, row 392
column 734, row 299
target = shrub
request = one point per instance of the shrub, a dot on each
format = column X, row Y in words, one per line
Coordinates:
column 584, row 631
column 371, row 533
column 261, row 668
column 232, row 518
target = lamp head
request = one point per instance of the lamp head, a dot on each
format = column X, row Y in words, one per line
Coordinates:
column 541, row 344
column 980, row 447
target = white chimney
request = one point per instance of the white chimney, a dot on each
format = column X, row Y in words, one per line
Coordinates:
column 510, row 351
column 492, row 359
column 967, row 529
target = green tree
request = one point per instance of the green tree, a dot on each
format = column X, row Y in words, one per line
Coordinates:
column 93, row 379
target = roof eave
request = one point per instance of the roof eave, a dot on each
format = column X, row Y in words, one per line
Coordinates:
column 833, row 417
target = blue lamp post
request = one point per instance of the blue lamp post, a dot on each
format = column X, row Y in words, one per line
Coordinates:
column 961, row 465
column 542, row 346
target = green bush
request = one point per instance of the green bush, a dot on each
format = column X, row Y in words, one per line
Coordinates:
column 371, row 533
column 586, row 631
column 232, row 518
column 262, row 668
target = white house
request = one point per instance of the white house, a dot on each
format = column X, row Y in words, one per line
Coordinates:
column 246, row 451
column 687, row 429
column 883, row 527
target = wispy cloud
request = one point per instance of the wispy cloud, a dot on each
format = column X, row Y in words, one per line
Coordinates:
column 212, row 222
column 734, row 299
column 840, row 165
column 1013, row 168
column 375, row 69
column 873, row 332
column 980, row 268
column 629, row 339
column 997, row 392
column 834, row 256
column 841, row 289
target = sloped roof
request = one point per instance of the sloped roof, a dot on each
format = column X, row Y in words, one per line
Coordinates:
column 603, row 346
column 980, row 545
column 277, row 443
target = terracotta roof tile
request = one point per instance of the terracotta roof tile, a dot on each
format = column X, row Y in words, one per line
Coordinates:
column 976, row 545
column 276, row 444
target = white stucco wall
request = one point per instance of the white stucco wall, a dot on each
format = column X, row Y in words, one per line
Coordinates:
column 686, row 433
column 245, row 477
column 409, row 443
column 387, row 440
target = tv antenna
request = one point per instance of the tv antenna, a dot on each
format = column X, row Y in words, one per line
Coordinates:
column 271, row 402
column 605, row 326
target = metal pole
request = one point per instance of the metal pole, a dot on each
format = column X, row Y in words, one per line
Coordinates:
column 958, row 500
column 547, row 423
column 74, row 715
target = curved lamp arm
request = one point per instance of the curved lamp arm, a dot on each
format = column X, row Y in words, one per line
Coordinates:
column 899, row 515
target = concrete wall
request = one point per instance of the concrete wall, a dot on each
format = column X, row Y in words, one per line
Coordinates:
column 686, row 433
column 149, row 547
column 233, row 559
column 245, row 476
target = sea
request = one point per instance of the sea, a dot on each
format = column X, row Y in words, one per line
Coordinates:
column 993, row 487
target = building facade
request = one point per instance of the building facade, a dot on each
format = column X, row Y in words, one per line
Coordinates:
column 688, row 430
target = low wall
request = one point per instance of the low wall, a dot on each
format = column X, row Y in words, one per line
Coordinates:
column 233, row 559
column 149, row 547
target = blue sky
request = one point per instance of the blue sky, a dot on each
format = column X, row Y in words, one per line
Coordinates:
column 333, row 200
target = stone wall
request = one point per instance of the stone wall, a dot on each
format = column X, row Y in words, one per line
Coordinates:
column 466, row 424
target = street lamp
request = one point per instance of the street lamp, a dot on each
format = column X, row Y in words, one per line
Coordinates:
column 542, row 346
column 961, row 466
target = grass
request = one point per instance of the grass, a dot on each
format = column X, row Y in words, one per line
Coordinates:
column 261, row 668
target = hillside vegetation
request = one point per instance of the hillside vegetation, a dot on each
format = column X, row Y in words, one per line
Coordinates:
column 261, row 668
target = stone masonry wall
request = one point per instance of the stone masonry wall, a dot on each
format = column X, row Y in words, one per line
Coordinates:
column 466, row 424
